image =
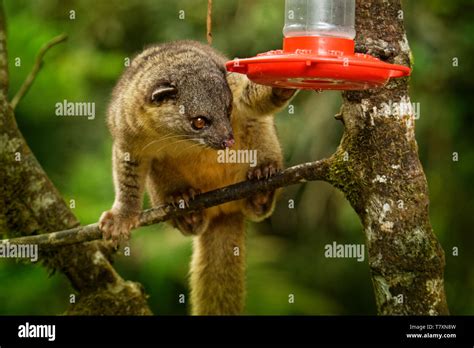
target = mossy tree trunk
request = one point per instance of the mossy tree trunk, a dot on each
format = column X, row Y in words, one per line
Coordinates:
column 376, row 166
column 30, row 204
column 378, row 169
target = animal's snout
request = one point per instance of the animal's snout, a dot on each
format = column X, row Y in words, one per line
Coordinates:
column 229, row 142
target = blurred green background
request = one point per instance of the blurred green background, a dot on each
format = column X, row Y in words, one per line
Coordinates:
column 286, row 252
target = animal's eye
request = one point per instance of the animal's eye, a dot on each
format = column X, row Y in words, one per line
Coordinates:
column 199, row 123
column 162, row 93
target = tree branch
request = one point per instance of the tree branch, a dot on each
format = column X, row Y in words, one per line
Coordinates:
column 36, row 68
column 383, row 179
column 29, row 203
column 311, row 171
column 209, row 22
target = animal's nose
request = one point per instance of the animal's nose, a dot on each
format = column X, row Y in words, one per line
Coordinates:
column 229, row 142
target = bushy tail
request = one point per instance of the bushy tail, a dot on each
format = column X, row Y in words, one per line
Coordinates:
column 218, row 267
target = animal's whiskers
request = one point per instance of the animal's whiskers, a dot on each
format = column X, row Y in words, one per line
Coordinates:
column 166, row 137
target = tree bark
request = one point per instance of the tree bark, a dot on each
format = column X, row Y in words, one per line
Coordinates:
column 376, row 166
column 30, row 204
column 378, row 169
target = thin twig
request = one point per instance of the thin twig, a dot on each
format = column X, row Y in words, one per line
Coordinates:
column 36, row 68
column 312, row 171
column 209, row 22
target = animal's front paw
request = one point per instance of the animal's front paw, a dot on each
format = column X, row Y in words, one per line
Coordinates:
column 193, row 223
column 116, row 226
column 264, row 171
column 261, row 204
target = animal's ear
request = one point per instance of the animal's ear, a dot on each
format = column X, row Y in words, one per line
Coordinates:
column 163, row 92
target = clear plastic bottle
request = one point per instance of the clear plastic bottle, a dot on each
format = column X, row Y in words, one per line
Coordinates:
column 334, row 18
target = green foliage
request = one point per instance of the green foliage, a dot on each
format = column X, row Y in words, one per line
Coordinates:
column 286, row 253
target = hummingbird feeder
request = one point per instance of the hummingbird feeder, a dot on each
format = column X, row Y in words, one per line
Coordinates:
column 318, row 52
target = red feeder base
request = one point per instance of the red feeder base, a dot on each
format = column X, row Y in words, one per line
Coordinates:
column 316, row 62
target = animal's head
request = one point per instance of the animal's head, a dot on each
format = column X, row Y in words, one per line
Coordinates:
column 184, row 93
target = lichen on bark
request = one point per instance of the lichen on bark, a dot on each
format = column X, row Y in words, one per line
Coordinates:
column 376, row 166
column 378, row 169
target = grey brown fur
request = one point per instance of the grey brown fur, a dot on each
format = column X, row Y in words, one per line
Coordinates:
column 151, row 116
